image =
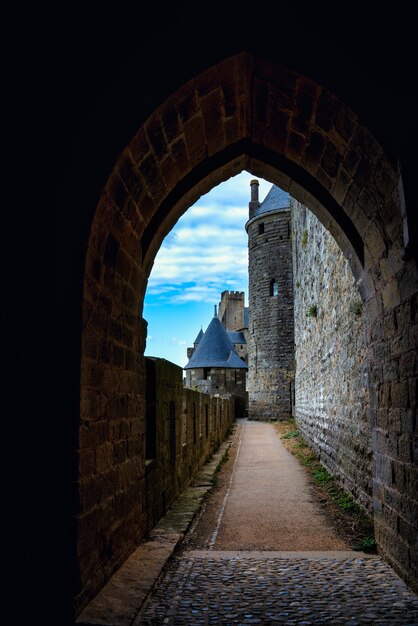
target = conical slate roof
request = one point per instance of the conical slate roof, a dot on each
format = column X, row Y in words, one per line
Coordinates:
column 199, row 337
column 275, row 200
column 215, row 350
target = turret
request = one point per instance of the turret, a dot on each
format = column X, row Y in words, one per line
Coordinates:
column 254, row 203
column 270, row 334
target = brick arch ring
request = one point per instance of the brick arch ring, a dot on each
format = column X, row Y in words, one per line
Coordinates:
column 243, row 113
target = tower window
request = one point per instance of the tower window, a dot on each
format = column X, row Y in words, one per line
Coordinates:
column 274, row 288
column 261, row 228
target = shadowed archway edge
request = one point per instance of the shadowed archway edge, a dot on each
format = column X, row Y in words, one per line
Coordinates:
column 246, row 147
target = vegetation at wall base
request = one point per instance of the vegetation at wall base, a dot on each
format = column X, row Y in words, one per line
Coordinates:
column 350, row 520
column 214, row 479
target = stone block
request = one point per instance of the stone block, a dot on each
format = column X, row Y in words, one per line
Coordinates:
column 156, row 137
column 405, row 448
column 187, row 102
column 399, row 395
column 213, row 122
column 180, row 156
column 195, row 139
column 138, row 146
column 295, row 146
column 170, row 121
column 284, row 81
column 390, row 295
column 331, row 160
column 408, row 283
column 168, row 171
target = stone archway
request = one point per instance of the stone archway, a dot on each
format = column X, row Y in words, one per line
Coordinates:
column 244, row 113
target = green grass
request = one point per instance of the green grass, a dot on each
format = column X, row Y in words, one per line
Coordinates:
column 347, row 514
column 322, row 476
column 367, row 544
column 291, row 434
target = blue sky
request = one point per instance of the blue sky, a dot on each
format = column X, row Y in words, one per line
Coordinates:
column 204, row 254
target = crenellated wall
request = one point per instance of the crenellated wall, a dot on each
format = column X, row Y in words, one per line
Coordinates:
column 188, row 425
column 147, row 470
column 331, row 387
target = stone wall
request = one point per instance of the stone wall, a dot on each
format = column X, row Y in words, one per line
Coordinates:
column 231, row 310
column 270, row 332
column 189, row 426
column 331, row 397
column 151, row 467
column 220, row 381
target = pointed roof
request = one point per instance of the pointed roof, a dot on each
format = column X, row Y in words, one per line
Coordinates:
column 215, row 350
column 198, row 338
column 275, row 200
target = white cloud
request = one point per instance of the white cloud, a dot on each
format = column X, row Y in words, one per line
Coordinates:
column 191, row 263
column 190, row 234
column 202, row 292
column 177, row 342
column 221, row 213
column 206, row 251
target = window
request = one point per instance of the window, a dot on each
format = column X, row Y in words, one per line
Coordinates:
column 274, row 287
column 261, row 228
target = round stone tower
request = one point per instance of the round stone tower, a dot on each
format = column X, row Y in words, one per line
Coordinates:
column 270, row 381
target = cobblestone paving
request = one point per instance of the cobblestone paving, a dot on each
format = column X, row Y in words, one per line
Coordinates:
column 206, row 588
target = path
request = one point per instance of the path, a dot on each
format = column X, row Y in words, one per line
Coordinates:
column 260, row 551
column 269, row 504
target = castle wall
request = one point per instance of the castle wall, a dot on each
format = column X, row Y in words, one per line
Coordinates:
column 331, row 398
column 181, row 429
column 231, row 310
column 242, row 349
column 270, row 332
column 218, row 380
column 188, row 426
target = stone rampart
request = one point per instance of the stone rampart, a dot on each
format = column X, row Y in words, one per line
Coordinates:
column 331, row 387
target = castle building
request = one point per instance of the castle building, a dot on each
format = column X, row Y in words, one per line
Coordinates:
column 270, row 381
column 215, row 366
column 233, row 315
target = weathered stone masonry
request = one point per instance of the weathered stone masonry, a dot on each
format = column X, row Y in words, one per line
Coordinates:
column 188, row 426
column 331, row 395
column 182, row 427
column 270, row 332
column 356, row 384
